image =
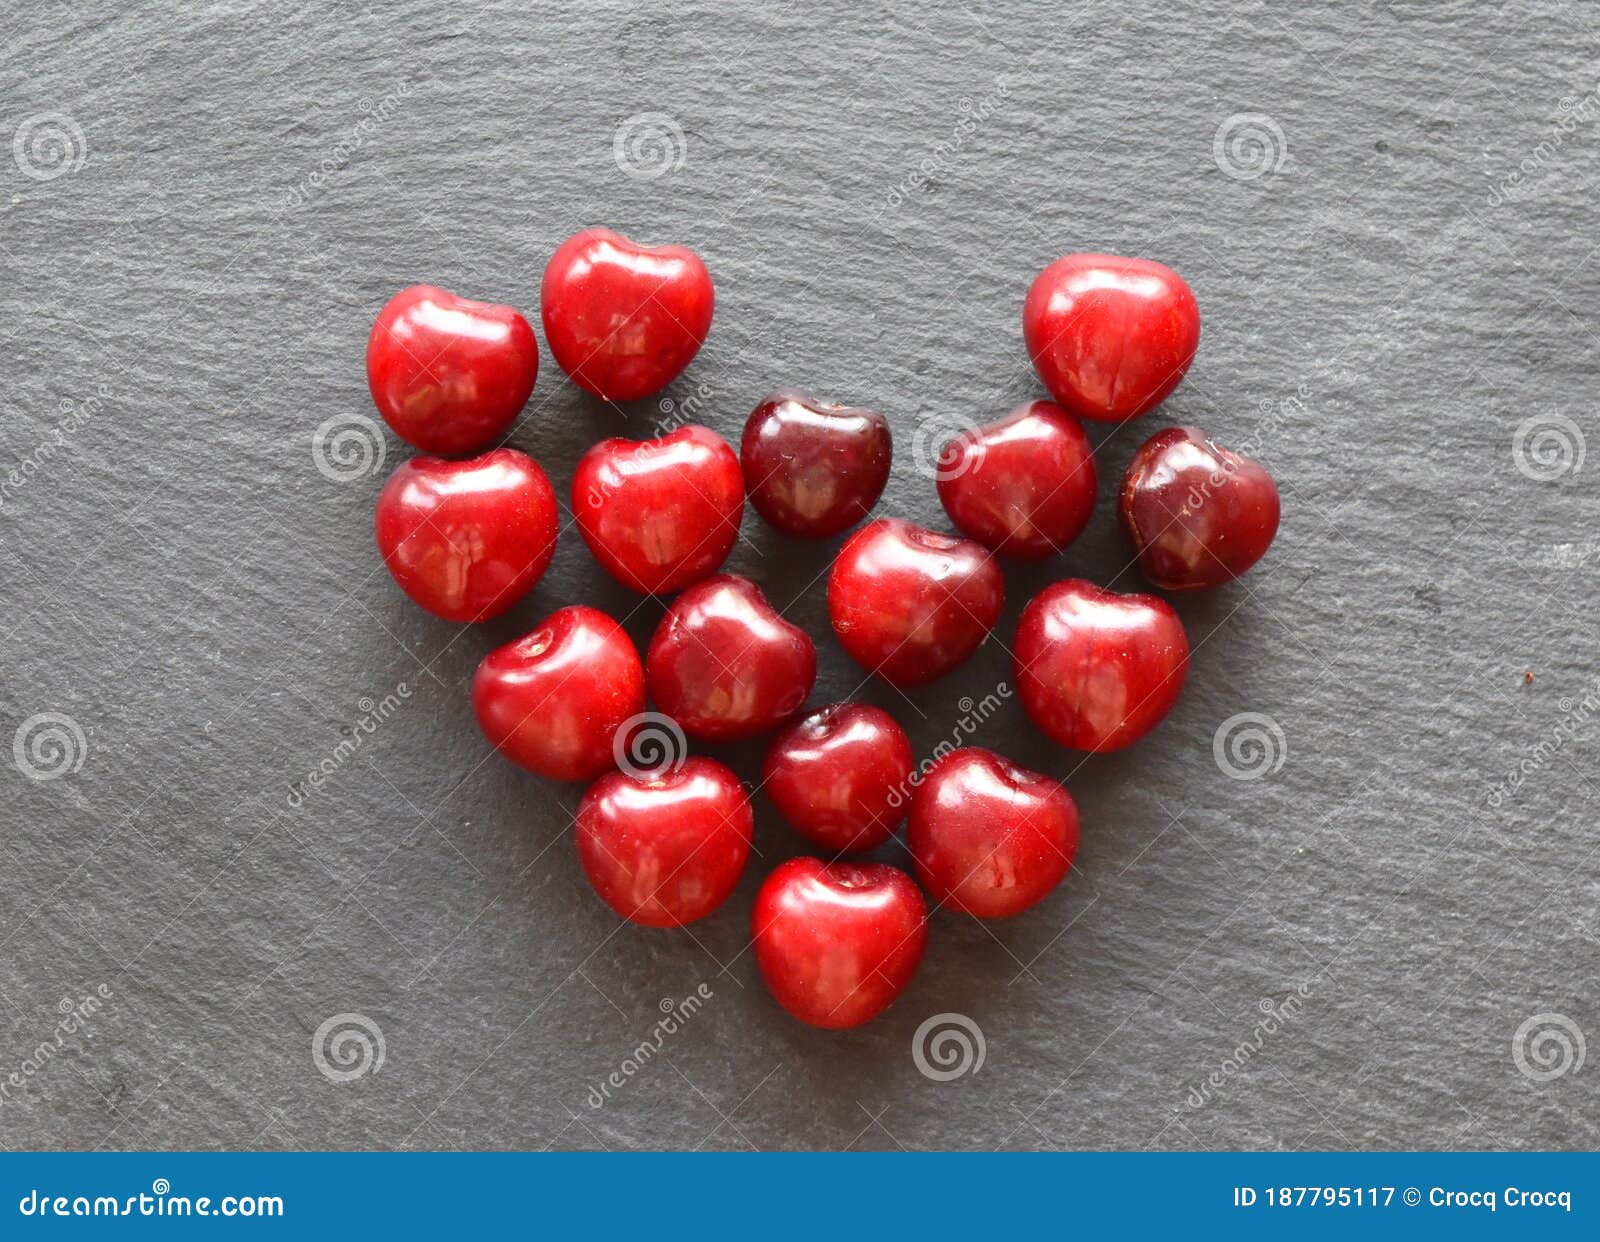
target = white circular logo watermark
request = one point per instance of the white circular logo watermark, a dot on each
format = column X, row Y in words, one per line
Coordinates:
column 347, row 447
column 649, row 744
column 1249, row 145
column 48, row 746
column 1249, row 746
column 936, row 450
column 48, row 145
column 1548, row 447
column 347, row 1046
column 649, row 145
column 948, row 1046
column 1548, row 1046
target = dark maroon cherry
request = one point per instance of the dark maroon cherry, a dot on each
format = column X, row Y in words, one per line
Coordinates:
column 1023, row 486
column 910, row 604
column 665, row 848
column 1198, row 515
column 813, row 469
column 990, row 838
column 724, row 665
column 841, row 776
column 1096, row 670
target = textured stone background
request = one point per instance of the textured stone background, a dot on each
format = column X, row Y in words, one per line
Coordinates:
column 1386, row 213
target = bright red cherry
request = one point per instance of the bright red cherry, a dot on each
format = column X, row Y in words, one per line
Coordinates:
column 1023, row 486
column 814, row 469
column 1198, row 515
column 1096, row 670
column 660, row 514
column 724, row 665
column 841, row 776
column 552, row 701
column 449, row 375
column 837, row 942
column 467, row 539
column 666, row 848
column 622, row 319
column 910, row 604
column 1110, row 337
column 989, row 838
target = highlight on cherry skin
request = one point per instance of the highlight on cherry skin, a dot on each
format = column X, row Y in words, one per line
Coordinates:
column 467, row 539
column 1198, row 514
column 909, row 604
column 621, row 319
column 840, row 776
column 725, row 665
column 664, row 848
column 836, row 943
column 989, row 838
column 1110, row 336
column 553, row 700
column 1096, row 670
column 448, row 374
column 813, row 469
column 660, row 514
column 1024, row 485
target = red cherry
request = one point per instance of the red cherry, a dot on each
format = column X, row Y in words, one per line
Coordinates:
column 624, row 319
column 724, row 665
column 837, row 942
column 467, row 539
column 1198, row 515
column 1110, row 337
column 989, row 838
column 1023, row 486
column 449, row 375
column 841, row 776
column 910, row 604
column 659, row 514
column 813, row 469
column 552, row 701
column 665, row 848
column 1096, row 670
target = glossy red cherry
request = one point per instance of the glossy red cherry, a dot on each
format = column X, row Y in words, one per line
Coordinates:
column 989, row 838
column 660, row 514
column 666, row 848
column 1198, row 515
column 1110, row 337
column 1023, row 486
column 910, row 604
column 622, row 319
column 724, row 665
column 841, row 776
column 552, row 701
column 837, row 942
column 1096, row 670
column 814, row 469
column 449, row 375
column 467, row 539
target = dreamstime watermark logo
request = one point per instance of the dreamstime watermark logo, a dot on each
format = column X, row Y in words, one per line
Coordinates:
column 676, row 412
column 948, row 1046
column 1576, row 713
column 49, row 746
column 1548, row 1046
column 648, row 145
column 373, row 714
column 972, row 116
column 974, row 712
column 347, row 1046
column 945, row 447
column 1250, row 145
column 649, row 744
column 1249, row 746
column 75, row 415
column 1548, row 447
column 48, row 145
column 675, row 1015
column 75, row 1018
column 338, row 157
column 1276, row 1015
column 1570, row 114
column 347, row 447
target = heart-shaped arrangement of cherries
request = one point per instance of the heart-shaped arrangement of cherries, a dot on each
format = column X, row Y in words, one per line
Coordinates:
column 665, row 843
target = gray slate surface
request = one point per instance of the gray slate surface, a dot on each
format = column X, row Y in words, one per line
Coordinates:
column 208, row 608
